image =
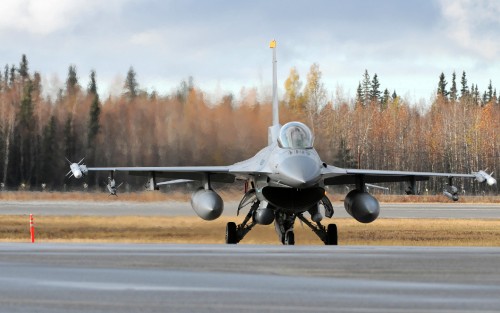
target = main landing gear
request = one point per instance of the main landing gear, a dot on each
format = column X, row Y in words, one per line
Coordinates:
column 283, row 221
column 234, row 233
column 284, row 228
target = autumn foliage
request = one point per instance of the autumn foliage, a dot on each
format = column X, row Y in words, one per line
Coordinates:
column 186, row 127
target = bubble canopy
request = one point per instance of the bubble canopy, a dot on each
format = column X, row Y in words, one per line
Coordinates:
column 295, row 135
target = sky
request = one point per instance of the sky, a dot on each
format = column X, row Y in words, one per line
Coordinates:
column 224, row 45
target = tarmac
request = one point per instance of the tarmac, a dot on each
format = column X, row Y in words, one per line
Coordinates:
column 245, row 278
column 115, row 207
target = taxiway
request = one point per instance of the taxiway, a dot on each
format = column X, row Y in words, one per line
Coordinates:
column 176, row 208
column 243, row 278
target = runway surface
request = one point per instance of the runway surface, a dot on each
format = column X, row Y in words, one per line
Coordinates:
column 174, row 208
column 219, row 278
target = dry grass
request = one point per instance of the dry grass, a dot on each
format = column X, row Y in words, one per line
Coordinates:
column 230, row 194
column 145, row 196
column 407, row 232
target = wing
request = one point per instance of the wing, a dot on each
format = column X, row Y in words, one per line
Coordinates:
column 224, row 174
column 199, row 173
column 338, row 176
column 220, row 174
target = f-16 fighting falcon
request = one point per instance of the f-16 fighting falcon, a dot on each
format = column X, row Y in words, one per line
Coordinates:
column 285, row 181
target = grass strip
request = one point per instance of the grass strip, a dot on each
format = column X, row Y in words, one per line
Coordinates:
column 141, row 229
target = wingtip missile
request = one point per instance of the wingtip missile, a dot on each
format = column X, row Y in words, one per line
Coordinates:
column 482, row 176
column 77, row 169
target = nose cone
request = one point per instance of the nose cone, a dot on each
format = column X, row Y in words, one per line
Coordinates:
column 299, row 171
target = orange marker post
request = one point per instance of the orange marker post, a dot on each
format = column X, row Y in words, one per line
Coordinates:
column 32, row 228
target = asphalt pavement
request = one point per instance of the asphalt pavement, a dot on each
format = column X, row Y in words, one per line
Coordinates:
column 116, row 207
column 244, row 278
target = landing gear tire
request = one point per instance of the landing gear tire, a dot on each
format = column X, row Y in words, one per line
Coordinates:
column 331, row 235
column 231, row 233
column 289, row 238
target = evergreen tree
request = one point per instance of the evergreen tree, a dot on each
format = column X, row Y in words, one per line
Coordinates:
column 464, row 91
column 366, row 88
column 182, row 92
column 23, row 68
column 489, row 95
column 453, row 89
column 359, row 95
column 72, row 81
column 385, row 99
column 131, row 85
column 95, row 111
column 394, row 95
column 12, row 78
column 475, row 94
column 26, row 135
column 49, row 148
column 442, row 87
column 6, row 74
column 69, row 139
column 93, row 125
column 375, row 91
column 37, row 83
column 344, row 157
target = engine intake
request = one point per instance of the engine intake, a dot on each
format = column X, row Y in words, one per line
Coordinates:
column 292, row 198
column 362, row 206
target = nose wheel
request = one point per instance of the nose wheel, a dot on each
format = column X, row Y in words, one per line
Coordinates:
column 289, row 239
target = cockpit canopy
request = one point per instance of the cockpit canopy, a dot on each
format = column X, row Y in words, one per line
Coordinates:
column 295, row 135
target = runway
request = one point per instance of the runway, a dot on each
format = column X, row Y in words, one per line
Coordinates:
column 243, row 278
column 116, row 207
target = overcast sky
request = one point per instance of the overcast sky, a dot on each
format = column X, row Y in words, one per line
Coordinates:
column 224, row 44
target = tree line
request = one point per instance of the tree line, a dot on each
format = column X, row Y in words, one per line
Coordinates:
column 458, row 132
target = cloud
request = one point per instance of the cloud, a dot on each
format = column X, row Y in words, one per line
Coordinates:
column 473, row 25
column 147, row 38
column 44, row 17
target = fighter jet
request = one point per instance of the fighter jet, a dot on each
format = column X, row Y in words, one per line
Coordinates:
column 284, row 181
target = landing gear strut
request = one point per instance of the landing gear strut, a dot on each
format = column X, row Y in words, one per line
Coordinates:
column 235, row 233
column 327, row 234
column 283, row 223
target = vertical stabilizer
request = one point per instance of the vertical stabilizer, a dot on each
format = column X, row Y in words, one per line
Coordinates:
column 274, row 129
column 276, row 118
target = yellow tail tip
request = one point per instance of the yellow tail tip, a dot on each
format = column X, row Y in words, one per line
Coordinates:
column 272, row 44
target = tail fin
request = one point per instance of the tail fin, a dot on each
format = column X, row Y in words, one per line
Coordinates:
column 276, row 118
column 275, row 127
